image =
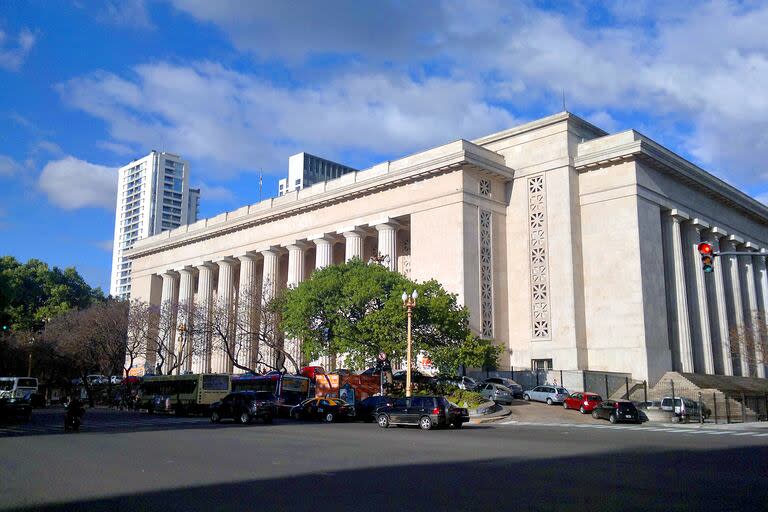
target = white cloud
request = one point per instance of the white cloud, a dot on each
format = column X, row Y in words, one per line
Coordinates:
column 118, row 149
column 105, row 245
column 702, row 66
column 239, row 122
column 14, row 51
column 9, row 166
column 71, row 183
column 216, row 193
column 127, row 13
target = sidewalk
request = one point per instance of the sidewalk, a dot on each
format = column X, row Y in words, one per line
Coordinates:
column 500, row 414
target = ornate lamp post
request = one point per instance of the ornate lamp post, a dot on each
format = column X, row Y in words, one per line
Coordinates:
column 182, row 330
column 409, row 301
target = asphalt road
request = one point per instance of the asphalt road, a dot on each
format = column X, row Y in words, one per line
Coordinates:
column 131, row 462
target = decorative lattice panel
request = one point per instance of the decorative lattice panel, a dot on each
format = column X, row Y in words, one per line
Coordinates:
column 537, row 224
column 486, row 273
column 485, row 188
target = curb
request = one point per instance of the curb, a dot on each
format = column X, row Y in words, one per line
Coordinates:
column 491, row 417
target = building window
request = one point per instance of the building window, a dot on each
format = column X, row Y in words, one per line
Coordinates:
column 541, row 364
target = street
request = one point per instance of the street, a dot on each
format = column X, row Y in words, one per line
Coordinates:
column 133, row 461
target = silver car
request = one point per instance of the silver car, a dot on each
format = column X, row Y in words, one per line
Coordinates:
column 496, row 392
column 517, row 389
column 546, row 393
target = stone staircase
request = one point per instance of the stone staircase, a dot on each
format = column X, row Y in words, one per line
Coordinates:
column 724, row 391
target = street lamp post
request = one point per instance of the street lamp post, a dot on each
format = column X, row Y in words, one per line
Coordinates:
column 182, row 329
column 409, row 301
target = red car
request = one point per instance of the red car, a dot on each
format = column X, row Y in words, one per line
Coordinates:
column 584, row 402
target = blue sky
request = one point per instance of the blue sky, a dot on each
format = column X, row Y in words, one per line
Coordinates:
column 237, row 87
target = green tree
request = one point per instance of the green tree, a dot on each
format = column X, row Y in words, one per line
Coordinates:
column 356, row 309
column 32, row 292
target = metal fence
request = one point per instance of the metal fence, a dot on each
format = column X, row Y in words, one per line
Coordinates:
column 606, row 384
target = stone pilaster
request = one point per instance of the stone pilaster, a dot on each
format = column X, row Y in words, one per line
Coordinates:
column 324, row 252
column 221, row 361
column 269, row 290
column 737, row 306
column 698, row 226
column 762, row 278
column 248, row 300
column 185, row 313
column 722, row 334
column 354, row 239
column 685, row 349
column 204, row 306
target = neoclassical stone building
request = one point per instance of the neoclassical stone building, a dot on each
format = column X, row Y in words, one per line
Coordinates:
column 574, row 249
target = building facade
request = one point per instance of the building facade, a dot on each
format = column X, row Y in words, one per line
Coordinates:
column 305, row 170
column 572, row 248
column 153, row 195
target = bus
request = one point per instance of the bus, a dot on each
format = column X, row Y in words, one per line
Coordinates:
column 182, row 394
column 14, row 388
column 289, row 390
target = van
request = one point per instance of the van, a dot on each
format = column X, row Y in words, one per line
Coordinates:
column 684, row 409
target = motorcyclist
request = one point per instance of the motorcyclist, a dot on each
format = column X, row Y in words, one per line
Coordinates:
column 74, row 414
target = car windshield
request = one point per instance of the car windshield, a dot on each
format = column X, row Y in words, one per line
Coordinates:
column 626, row 406
column 594, row 398
column 562, row 391
column 6, row 385
column 339, row 401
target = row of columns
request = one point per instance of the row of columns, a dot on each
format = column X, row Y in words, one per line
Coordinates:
column 238, row 279
column 703, row 327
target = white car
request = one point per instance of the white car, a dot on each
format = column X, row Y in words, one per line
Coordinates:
column 547, row 393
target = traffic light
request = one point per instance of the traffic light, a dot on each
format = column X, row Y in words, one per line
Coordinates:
column 707, row 258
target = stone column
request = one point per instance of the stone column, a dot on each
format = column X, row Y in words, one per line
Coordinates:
column 388, row 243
column 748, row 270
column 723, row 335
column 296, row 274
column 681, row 302
column 354, row 243
column 224, row 335
column 762, row 277
column 268, row 292
column 169, row 303
column 735, row 297
column 248, row 300
column 204, row 306
column 186, row 303
column 701, row 298
column 324, row 253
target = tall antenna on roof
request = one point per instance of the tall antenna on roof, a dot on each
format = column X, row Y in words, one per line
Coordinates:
column 260, row 183
column 564, row 109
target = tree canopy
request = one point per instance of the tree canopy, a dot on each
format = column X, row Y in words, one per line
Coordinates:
column 32, row 292
column 356, row 309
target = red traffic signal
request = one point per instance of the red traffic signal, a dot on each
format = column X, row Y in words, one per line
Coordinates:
column 707, row 257
column 705, row 248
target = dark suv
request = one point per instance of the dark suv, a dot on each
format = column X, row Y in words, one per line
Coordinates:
column 424, row 411
column 245, row 406
column 617, row 411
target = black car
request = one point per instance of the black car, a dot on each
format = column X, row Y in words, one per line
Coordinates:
column 366, row 410
column 424, row 411
column 325, row 409
column 15, row 409
column 617, row 411
column 245, row 406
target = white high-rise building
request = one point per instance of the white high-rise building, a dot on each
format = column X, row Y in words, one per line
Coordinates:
column 153, row 195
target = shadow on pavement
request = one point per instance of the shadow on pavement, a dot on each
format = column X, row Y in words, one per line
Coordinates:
column 731, row 479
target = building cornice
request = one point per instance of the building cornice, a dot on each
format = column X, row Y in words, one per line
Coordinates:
column 632, row 145
column 459, row 154
column 538, row 125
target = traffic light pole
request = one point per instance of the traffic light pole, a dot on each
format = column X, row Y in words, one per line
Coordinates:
column 737, row 253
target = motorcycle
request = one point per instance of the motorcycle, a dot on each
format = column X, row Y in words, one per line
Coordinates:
column 73, row 418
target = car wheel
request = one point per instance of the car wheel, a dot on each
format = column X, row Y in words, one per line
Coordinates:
column 328, row 417
column 565, row 405
column 425, row 423
column 457, row 424
column 244, row 418
column 215, row 418
column 612, row 418
column 296, row 415
column 595, row 416
column 526, row 398
column 581, row 410
column 549, row 401
column 383, row 420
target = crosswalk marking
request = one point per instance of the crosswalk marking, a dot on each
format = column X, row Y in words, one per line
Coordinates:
column 634, row 427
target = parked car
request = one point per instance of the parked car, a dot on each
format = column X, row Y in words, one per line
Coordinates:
column 325, row 409
column 517, row 389
column 245, row 406
column 685, row 409
column 496, row 392
column 617, row 411
column 15, row 409
column 462, row 382
column 549, row 394
column 425, row 411
column 366, row 410
column 650, row 405
column 584, row 402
